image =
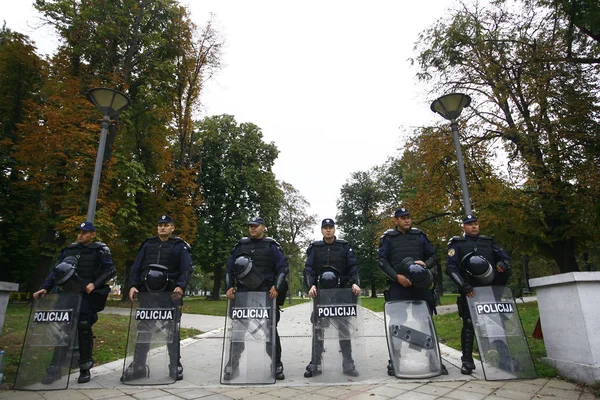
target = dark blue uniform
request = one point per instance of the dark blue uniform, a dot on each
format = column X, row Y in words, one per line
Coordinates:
column 340, row 257
column 175, row 256
column 394, row 246
column 268, row 259
column 458, row 248
column 95, row 265
column 173, row 253
column 346, row 265
column 272, row 269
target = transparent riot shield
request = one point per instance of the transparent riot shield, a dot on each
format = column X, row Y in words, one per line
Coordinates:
column 502, row 343
column 249, row 339
column 153, row 340
column 338, row 342
column 48, row 345
column 412, row 340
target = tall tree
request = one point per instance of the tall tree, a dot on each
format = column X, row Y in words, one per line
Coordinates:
column 544, row 113
column 359, row 207
column 236, row 182
column 153, row 52
column 21, row 78
column 295, row 226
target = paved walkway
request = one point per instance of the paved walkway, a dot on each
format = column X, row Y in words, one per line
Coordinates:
column 201, row 358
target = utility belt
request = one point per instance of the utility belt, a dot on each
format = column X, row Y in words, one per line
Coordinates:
column 265, row 286
column 169, row 287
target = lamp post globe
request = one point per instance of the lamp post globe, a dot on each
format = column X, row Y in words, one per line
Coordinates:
column 110, row 103
column 450, row 107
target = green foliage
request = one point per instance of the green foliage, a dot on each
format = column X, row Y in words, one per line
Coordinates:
column 21, row 76
column 359, row 220
column 159, row 58
column 295, row 228
column 542, row 112
column 236, row 182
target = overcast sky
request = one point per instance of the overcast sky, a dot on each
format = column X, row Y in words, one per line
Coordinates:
column 329, row 82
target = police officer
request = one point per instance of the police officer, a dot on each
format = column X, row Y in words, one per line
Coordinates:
column 172, row 252
column 473, row 260
column 92, row 265
column 267, row 257
column 400, row 249
column 330, row 257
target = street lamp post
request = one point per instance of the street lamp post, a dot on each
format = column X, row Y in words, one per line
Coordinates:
column 110, row 102
column 450, row 106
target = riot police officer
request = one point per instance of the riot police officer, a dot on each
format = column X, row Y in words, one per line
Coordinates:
column 330, row 259
column 473, row 260
column 163, row 264
column 400, row 249
column 271, row 265
column 84, row 266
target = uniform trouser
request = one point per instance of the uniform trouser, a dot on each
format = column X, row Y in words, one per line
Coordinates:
column 142, row 345
column 237, row 348
column 140, row 353
column 467, row 334
column 86, row 318
column 318, row 339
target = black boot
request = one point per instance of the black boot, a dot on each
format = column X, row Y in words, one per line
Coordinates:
column 279, row 375
column 176, row 371
column 53, row 373
column 312, row 370
column 86, row 346
column 467, row 339
column 135, row 371
column 231, row 370
column 467, row 367
column 84, row 376
column 390, row 368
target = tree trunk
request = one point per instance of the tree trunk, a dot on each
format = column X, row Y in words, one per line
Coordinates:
column 125, row 282
column 217, row 273
column 563, row 253
column 373, row 290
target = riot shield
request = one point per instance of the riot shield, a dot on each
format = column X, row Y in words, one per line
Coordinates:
column 502, row 343
column 153, row 339
column 48, row 346
column 339, row 347
column 412, row 340
column 249, row 339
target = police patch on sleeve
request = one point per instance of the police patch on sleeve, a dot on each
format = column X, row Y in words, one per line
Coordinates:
column 451, row 252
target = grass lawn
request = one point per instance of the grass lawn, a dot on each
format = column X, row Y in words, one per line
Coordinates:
column 109, row 345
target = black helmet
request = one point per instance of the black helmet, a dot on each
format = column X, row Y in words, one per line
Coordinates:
column 479, row 268
column 419, row 276
column 245, row 272
column 63, row 272
column 328, row 279
column 156, row 278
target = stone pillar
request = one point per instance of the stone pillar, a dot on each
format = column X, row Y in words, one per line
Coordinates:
column 570, row 319
column 5, row 289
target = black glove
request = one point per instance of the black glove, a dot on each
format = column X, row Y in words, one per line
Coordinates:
column 503, row 266
column 467, row 288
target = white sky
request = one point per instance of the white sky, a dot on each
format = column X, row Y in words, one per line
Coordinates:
column 328, row 81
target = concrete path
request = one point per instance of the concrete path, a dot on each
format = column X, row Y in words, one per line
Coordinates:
column 201, row 358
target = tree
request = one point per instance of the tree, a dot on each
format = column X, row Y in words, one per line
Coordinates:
column 545, row 114
column 583, row 17
column 359, row 208
column 22, row 75
column 295, row 226
column 236, row 181
column 154, row 53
